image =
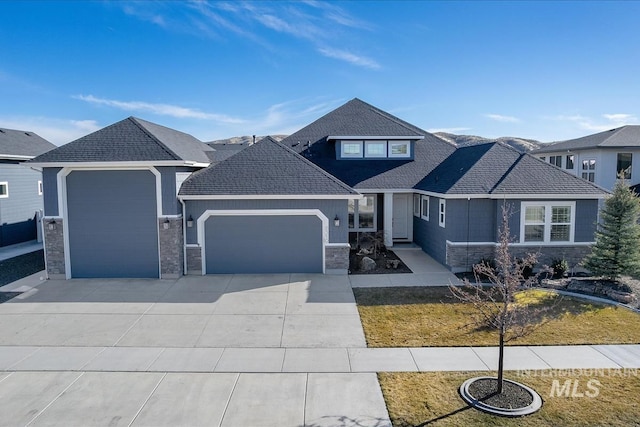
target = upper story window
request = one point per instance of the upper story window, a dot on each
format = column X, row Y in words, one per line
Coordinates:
column 589, row 170
column 624, row 165
column 569, row 164
column 374, row 149
column 352, row 149
column 4, row 190
column 399, row 149
column 556, row 161
column 362, row 215
column 442, row 210
column 547, row 222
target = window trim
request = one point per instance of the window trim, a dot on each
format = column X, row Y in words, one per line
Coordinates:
column 442, row 212
column 554, row 160
column 4, row 184
column 630, row 168
column 40, row 188
column 422, row 213
column 358, row 155
column 356, row 214
column 591, row 164
column 572, row 158
column 406, row 155
column 548, row 210
column 417, row 203
column 375, row 156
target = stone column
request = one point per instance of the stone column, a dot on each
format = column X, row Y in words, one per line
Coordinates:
column 53, row 230
column 171, row 247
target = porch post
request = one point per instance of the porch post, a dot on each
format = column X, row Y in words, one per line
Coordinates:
column 388, row 220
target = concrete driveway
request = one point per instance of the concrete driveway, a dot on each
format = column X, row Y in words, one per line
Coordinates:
column 231, row 350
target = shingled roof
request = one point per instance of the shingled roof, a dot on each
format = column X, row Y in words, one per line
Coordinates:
column 130, row 140
column 22, row 145
column 265, row 168
column 625, row 136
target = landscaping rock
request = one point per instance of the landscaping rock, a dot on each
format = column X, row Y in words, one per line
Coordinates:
column 392, row 264
column 367, row 264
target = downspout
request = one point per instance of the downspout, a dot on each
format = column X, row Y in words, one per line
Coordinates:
column 184, row 236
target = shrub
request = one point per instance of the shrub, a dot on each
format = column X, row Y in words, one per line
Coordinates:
column 560, row 268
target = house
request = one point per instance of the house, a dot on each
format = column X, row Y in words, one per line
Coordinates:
column 20, row 187
column 137, row 199
column 598, row 158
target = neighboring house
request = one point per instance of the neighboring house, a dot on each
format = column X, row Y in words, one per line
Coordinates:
column 20, row 187
column 598, row 158
column 118, row 202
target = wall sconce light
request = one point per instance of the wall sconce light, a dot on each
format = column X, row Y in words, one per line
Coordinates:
column 190, row 221
column 166, row 224
column 52, row 224
column 336, row 221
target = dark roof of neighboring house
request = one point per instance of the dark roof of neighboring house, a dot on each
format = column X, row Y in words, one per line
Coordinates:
column 625, row 136
column 265, row 168
column 20, row 143
column 357, row 118
column 130, row 140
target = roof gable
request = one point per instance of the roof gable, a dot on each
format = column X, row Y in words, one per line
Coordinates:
column 22, row 144
column 265, row 168
column 130, row 140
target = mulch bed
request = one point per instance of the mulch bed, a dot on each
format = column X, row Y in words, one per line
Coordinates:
column 21, row 266
column 512, row 396
column 381, row 263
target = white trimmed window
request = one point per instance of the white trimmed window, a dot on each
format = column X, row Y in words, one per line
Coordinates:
column 375, row 149
column 624, row 165
column 547, row 222
column 40, row 188
column 399, row 149
column 556, row 161
column 362, row 215
column 570, row 161
column 416, row 205
column 442, row 212
column 352, row 149
column 589, row 170
column 4, row 190
column 425, row 208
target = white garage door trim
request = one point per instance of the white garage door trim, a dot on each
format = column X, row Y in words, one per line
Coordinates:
column 62, row 205
column 260, row 212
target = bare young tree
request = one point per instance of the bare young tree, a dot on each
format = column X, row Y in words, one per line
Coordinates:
column 495, row 302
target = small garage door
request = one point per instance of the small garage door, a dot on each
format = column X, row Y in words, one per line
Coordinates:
column 263, row 244
column 112, row 223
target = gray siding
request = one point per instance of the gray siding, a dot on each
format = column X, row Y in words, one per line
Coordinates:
column 263, row 244
column 330, row 208
column 170, row 203
column 50, row 183
column 17, row 212
column 112, row 224
column 429, row 235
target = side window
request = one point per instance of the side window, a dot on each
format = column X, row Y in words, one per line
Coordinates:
column 425, row 208
column 4, row 190
column 442, row 211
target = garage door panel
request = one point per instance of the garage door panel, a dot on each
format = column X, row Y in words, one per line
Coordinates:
column 114, row 234
column 264, row 244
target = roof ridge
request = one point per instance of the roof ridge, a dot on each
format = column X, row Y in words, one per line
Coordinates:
column 152, row 136
column 507, row 172
column 313, row 165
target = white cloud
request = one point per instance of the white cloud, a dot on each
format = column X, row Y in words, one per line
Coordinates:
column 621, row 118
column 354, row 59
column 159, row 109
column 503, row 119
column 57, row 131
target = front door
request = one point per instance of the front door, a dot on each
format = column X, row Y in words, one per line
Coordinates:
column 400, row 214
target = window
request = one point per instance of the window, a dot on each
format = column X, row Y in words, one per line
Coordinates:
column 362, row 215
column 416, row 205
column 556, row 161
column 399, row 149
column 570, row 161
column 547, row 222
column 624, row 165
column 442, row 207
column 375, row 148
column 588, row 170
column 39, row 188
column 4, row 190
column 425, row 208
column 352, row 149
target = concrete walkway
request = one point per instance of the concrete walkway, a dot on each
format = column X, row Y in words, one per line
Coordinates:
column 7, row 252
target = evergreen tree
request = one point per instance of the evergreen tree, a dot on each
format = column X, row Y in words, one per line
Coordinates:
column 617, row 248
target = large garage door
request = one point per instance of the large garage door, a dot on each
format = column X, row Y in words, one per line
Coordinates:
column 112, row 222
column 263, row 244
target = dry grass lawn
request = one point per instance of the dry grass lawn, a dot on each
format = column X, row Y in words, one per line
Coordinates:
column 430, row 317
column 431, row 398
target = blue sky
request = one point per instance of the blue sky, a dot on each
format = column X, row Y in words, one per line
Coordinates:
column 543, row 70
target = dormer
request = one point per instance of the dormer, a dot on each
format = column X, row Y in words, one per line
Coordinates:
column 374, row 147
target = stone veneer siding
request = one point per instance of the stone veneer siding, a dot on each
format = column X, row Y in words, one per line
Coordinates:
column 460, row 258
column 171, row 248
column 336, row 259
column 54, row 248
column 194, row 260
